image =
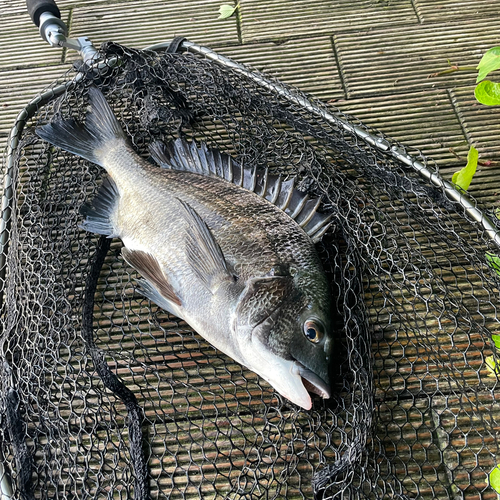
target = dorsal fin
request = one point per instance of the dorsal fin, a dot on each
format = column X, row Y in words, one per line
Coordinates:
column 261, row 182
column 286, row 193
column 307, row 212
column 318, row 225
column 189, row 157
column 296, row 203
column 273, row 188
column 250, row 178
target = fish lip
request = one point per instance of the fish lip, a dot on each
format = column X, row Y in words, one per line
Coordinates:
column 312, row 382
column 288, row 376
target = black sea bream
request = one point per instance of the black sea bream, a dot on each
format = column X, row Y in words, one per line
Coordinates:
column 228, row 249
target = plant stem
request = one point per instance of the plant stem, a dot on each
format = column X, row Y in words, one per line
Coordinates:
column 482, row 163
column 452, row 69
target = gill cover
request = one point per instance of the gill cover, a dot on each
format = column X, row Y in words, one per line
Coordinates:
column 261, row 297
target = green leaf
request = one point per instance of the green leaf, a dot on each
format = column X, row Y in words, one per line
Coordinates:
column 488, row 63
column 226, row 11
column 488, row 93
column 496, row 339
column 463, row 177
column 491, row 365
column 494, row 477
column 493, row 261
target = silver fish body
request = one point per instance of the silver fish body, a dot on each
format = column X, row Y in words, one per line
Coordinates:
column 214, row 248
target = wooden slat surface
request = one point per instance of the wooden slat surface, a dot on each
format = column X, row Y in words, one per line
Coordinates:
column 21, row 44
column 481, row 123
column 401, row 59
column 425, row 120
column 277, row 19
column 146, row 22
column 10, row 7
column 287, row 61
column 19, row 86
column 465, row 10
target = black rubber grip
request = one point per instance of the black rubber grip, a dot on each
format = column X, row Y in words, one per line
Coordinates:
column 37, row 7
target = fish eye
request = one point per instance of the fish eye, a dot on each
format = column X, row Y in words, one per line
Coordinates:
column 313, row 331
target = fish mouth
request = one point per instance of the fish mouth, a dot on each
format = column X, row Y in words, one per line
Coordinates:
column 302, row 382
column 289, row 377
column 312, row 382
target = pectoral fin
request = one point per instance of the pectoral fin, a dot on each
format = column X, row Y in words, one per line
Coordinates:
column 204, row 253
column 157, row 287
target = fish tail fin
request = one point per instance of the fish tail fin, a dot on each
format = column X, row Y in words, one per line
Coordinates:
column 90, row 140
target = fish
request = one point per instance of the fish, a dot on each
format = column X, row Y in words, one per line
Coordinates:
column 228, row 248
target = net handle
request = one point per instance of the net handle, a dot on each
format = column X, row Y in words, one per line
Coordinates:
column 37, row 7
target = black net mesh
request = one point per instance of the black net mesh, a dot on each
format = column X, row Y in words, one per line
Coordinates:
column 105, row 395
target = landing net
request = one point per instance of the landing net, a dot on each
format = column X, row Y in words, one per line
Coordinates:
column 105, row 395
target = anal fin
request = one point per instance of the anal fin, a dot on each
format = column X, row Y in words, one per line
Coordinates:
column 158, row 287
column 98, row 213
column 146, row 289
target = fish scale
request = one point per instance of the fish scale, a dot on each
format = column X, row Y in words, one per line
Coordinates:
column 243, row 223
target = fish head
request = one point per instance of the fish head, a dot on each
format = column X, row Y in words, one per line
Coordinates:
column 284, row 334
